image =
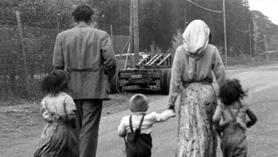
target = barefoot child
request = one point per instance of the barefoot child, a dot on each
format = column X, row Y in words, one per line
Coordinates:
column 231, row 115
column 58, row 138
column 136, row 129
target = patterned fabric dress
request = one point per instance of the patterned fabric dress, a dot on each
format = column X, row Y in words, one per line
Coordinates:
column 196, row 135
column 58, row 138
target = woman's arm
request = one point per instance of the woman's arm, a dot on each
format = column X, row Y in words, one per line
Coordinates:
column 218, row 113
column 176, row 79
column 252, row 117
column 218, row 68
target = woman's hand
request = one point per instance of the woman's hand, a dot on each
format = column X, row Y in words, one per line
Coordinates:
column 172, row 107
column 167, row 114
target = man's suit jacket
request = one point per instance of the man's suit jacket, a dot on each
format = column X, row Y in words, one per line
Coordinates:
column 87, row 54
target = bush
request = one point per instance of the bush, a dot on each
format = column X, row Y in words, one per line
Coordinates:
column 176, row 41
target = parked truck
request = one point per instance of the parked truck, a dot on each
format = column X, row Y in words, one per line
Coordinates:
column 152, row 72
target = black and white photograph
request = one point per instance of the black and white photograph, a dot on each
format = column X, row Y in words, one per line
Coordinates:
column 138, row 78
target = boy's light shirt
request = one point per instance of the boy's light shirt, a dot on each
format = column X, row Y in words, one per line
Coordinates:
column 147, row 124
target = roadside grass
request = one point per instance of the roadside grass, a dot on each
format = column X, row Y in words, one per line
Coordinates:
column 245, row 61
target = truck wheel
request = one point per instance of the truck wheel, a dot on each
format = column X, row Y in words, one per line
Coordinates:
column 163, row 82
column 114, row 85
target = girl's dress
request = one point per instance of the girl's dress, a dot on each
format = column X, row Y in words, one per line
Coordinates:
column 58, row 138
column 233, row 139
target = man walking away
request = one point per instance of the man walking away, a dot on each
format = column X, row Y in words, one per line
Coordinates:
column 88, row 56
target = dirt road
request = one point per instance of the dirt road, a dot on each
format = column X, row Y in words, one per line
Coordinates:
column 263, row 142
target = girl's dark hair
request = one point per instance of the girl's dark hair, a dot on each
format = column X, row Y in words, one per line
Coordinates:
column 83, row 13
column 55, row 82
column 231, row 91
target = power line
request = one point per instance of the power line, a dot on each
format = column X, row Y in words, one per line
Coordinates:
column 207, row 9
column 238, row 29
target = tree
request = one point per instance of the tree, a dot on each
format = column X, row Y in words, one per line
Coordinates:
column 265, row 33
column 157, row 24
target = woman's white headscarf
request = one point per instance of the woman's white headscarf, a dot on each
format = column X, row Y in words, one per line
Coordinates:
column 195, row 39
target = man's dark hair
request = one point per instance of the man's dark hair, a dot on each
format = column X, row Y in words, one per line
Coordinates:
column 55, row 82
column 231, row 91
column 83, row 13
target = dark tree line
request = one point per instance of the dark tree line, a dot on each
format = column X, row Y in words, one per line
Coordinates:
column 159, row 20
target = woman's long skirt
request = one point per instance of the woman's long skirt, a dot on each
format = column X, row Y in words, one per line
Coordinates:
column 196, row 134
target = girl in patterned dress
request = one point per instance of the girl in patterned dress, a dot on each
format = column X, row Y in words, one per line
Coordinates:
column 231, row 115
column 58, row 110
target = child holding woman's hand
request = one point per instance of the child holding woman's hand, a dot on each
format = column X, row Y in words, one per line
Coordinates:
column 136, row 128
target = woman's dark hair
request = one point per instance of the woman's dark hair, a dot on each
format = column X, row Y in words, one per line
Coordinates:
column 83, row 13
column 55, row 82
column 231, row 91
column 210, row 37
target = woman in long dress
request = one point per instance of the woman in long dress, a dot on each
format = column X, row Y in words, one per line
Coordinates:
column 194, row 65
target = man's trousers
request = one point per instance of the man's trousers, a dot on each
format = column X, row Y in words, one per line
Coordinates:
column 88, row 118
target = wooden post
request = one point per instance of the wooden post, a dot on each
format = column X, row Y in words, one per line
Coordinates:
column 111, row 33
column 128, row 52
column 265, row 43
column 20, row 31
column 58, row 23
column 131, row 31
column 136, row 31
column 250, row 40
column 225, row 32
column 266, row 48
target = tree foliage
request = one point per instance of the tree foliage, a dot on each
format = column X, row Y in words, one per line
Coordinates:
column 265, row 33
column 157, row 24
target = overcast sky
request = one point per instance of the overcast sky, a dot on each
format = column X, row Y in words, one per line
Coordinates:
column 267, row 7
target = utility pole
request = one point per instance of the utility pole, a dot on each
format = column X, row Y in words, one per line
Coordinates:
column 225, row 32
column 134, row 30
column 57, row 22
column 250, row 40
column 131, row 45
column 20, row 32
column 265, row 43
